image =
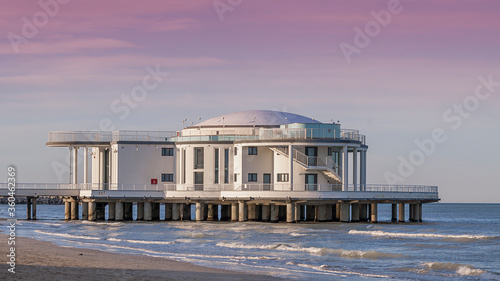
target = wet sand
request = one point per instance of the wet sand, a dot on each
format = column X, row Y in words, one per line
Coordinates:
column 39, row 260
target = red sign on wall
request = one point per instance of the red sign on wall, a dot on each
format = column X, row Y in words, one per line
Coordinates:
column 154, row 181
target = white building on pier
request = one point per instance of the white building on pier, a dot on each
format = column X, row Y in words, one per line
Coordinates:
column 257, row 165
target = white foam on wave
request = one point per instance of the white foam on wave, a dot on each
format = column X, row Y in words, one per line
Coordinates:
column 141, row 241
column 380, row 233
column 327, row 268
column 460, row 269
column 67, row 235
column 299, row 234
column 355, row 254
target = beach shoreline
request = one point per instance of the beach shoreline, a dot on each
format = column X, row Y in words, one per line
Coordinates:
column 41, row 260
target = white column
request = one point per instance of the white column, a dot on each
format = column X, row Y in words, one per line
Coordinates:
column 355, row 167
column 102, row 166
column 85, row 164
column 75, row 165
column 345, row 167
column 364, row 170
column 290, row 154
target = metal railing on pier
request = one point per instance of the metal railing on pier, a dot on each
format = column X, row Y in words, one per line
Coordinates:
column 232, row 187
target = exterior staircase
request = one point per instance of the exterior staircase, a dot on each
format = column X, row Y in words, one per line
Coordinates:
column 325, row 166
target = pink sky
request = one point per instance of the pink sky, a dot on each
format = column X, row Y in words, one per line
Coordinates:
column 282, row 55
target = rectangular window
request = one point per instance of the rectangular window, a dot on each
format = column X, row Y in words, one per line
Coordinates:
column 329, row 151
column 216, row 178
column 167, row 151
column 252, row 150
column 282, row 177
column 198, row 158
column 198, row 180
column 252, row 177
column 226, row 165
column 167, row 177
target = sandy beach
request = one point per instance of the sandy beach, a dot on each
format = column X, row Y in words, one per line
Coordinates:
column 39, row 260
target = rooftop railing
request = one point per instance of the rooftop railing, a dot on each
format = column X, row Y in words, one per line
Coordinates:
column 108, row 136
column 207, row 135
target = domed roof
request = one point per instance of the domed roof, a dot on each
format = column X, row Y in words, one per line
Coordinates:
column 259, row 118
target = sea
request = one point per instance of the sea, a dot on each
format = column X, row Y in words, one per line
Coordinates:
column 455, row 242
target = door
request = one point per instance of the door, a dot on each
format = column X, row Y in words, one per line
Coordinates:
column 312, row 155
column 267, row 182
column 311, row 182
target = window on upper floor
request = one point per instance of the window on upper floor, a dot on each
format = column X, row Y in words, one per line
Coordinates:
column 167, row 151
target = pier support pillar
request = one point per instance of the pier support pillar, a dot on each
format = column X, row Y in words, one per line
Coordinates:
column 302, row 212
column 275, row 212
column 282, row 212
column 128, row 211
column 111, row 211
column 225, row 212
column 419, row 211
column 74, row 208
column 363, row 210
column 92, row 211
column 252, row 212
column 321, row 212
column 118, row 211
column 168, row 211
column 199, row 211
column 28, row 207
column 297, row 212
column 148, row 211
column 67, row 209
column 140, row 211
column 155, row 211
column 176, row 215
column 186, row 212
column 373, row 213
column 100, row 211
column 410, row 211
column 266, row 210
column 329, row 212
column 310, row 213
column 345, row 214
column 85, row 210
column 338, row 210
column 234, row 211
column 401, row 212
column 355, row 212
column 33, row 208
column 290, row 212
column 211, row 212
column 394, row 212
column 243, row 211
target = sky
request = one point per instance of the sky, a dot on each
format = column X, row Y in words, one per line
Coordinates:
column 420, row 78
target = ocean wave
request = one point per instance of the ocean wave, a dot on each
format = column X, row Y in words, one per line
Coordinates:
column 355, row 254
column 299, row 234
column 141, row 241
column 67, row 235
column 460, row 269
column 327, row 268
column 380, row 233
